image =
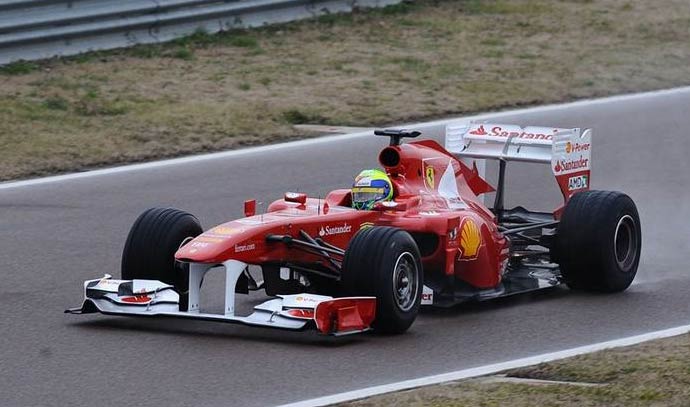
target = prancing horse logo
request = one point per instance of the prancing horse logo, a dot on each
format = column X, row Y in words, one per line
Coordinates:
column 429, row 177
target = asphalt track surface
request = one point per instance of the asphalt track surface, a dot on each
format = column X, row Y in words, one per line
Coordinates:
column 56, row 235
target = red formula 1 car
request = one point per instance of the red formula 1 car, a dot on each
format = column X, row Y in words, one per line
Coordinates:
column 340, row 270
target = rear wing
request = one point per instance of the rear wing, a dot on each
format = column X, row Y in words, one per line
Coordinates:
column 568, row 151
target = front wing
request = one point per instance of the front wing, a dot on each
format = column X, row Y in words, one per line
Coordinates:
column 152, row 298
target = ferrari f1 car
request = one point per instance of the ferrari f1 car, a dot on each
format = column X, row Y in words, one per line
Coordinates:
column 340, row 270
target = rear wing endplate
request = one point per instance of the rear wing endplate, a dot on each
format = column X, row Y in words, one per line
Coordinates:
column 568, row 151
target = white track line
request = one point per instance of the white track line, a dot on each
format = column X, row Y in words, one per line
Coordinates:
column 328, row 139
column 487, row 369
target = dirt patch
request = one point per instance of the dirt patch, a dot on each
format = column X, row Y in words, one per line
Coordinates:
column 652, row 374
column 410, row 61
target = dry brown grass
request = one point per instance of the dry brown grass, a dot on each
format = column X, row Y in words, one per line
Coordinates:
column 652, row 374
column 430, row 59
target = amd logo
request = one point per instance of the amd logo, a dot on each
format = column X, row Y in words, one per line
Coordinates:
column 579, row 182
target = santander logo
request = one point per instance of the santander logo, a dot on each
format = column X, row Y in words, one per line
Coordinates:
column 504, row 132
column 499, row 132
column 335, row 230
column 563, row 165
column 479, row 131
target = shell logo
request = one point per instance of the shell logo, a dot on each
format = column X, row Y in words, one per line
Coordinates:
column 568, row 147
column 366, row 225
column 300, row 298
column 470, row 239
column 208, row 239
column 223, row 230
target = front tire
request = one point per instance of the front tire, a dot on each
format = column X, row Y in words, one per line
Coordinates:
column 599, row 241
column 384, row 262
column 149, row 251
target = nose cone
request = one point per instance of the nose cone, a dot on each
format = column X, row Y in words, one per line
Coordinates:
column 216, row 244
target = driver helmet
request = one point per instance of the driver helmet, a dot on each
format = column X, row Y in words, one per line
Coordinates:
column 371, row 186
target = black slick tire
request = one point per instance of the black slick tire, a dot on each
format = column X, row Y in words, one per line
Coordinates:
column 149, row 251
column 384, row 262
column 598, row 241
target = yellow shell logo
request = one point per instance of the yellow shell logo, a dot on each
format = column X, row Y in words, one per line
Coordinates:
column 470, row 240
column 366, row 225
column 568, row 147
column 429, row 174
column 207, row 239
column 223, row 230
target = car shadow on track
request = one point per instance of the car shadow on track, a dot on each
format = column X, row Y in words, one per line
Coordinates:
column 215, row 331
column 543, row 295
column 310, row 338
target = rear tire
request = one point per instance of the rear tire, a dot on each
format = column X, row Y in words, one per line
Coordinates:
column 149, row 251
column 384, row 262
column 598, row 241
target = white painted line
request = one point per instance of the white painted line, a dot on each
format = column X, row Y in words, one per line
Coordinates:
column 330, row 139
column 501, row 378
column 325, row 129
column 488, row 369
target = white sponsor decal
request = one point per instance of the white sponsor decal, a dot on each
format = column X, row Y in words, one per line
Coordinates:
column 456, row 203
column 579, row 182
column 577, row 147
column 250, row 221
column 108, row 285
column 427, row 296
column 363, row 182
column 335, row 230
column 308, row 301
column 199, row 244
column 389, row 204
column 530, row 134
column 448, row 188
column 571, row 165
column 301, row 298
column 453, row 234
column 244, row 247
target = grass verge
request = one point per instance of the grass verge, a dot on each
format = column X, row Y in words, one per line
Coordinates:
column 406, row 62
column 651, row 374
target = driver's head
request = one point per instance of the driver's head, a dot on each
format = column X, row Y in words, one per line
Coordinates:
column 371, row 186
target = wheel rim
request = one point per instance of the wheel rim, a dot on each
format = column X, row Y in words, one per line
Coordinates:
column 625, row 243
column 405, row 281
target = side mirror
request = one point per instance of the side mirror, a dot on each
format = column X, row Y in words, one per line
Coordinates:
column 296, row 197
column 250, row 208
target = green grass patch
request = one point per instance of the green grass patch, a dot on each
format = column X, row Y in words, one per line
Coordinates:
column 242, row 40
column 659, row 378
column 505, row 7
column 19, row 68
column 183, row 53
column 404, row 7
column 334, row 18
column 410, row 61
column 296, row 116
column 56, row 103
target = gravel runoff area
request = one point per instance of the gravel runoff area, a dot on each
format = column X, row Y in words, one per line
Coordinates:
column 655, row 373
column 412, row 61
